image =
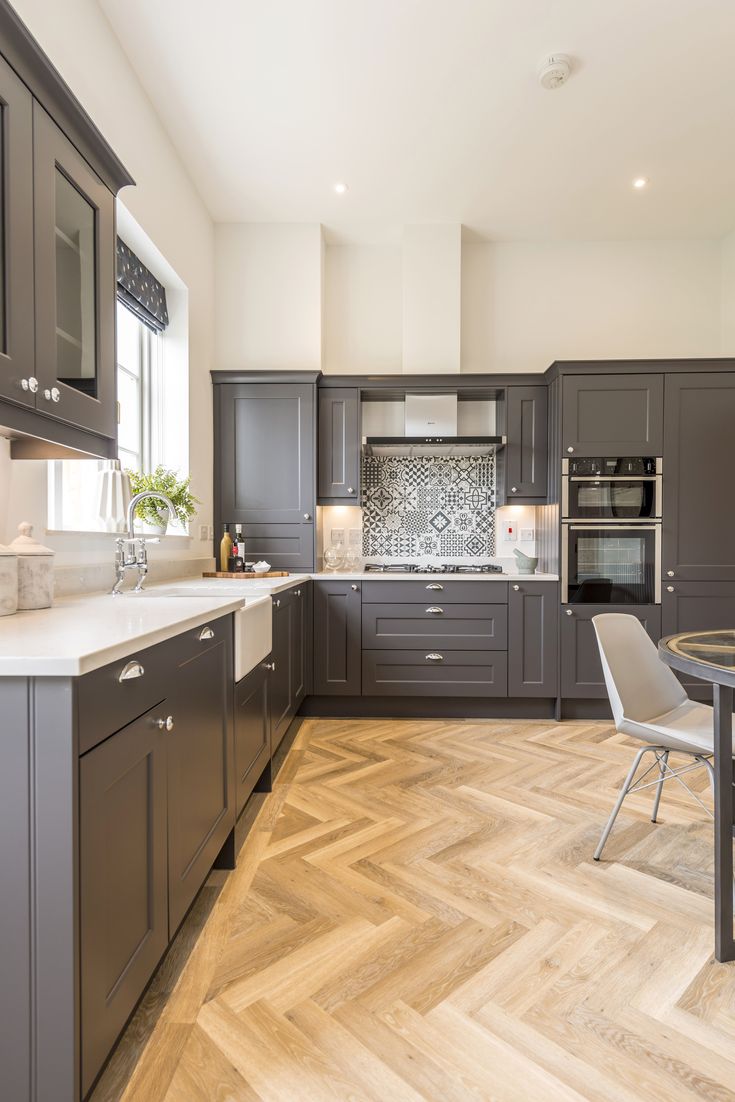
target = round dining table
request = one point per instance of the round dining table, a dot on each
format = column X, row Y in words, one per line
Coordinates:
column 710, row 656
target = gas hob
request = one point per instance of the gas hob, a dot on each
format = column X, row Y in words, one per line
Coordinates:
column 434, row 568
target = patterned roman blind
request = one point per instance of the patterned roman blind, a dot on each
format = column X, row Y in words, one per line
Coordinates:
column 139, row 289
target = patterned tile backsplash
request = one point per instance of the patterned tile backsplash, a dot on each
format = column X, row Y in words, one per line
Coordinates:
column 428, row 506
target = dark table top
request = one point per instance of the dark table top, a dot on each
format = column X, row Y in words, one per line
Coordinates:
column 706, row 654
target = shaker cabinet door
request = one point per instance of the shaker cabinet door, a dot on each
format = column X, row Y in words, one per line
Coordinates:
column 201, row 788
column 526, row 460
column 339, row 445
column 252, row 730
column 123, row 889
column 614, row 415
column 75, row 283
column 17, row 361
column 533, row 619
column 581, row 668
column 337, row 638
column 698, row 520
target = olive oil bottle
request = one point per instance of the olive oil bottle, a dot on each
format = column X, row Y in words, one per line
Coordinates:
column 225, row 550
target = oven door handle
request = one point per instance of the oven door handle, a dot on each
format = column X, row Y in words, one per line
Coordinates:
column 612, row 477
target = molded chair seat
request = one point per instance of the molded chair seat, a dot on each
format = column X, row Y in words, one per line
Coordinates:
column 649, row 704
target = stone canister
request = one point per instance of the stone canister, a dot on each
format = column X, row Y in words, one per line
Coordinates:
column 8, row 581
column 35, row 569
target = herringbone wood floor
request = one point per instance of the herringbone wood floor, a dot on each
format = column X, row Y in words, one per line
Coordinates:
column 416, row 915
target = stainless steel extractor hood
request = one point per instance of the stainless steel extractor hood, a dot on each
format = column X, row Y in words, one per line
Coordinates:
column 431, row 429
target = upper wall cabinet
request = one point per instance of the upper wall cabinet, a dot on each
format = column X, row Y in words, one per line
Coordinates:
column 524, row 462
column 17, row 363
column 339, row 446
column 75, row 283
column 57, row 260
column 614, row 415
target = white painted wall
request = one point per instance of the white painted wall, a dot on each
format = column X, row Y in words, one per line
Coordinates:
column 525, row 305
column 363, row 324
column 728, row 295
column 431, row 298
column 171, row 213
column 268, row 279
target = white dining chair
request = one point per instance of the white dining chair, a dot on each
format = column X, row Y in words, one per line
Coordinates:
column 649, row 704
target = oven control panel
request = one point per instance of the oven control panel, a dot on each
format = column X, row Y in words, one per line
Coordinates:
column 588, row 467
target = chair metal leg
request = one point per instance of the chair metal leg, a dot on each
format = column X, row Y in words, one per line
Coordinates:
column 623, row 793
column 662, row 762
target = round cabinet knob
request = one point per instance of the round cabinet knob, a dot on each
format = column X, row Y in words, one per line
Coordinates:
column 669, row 573
column 278, row 603
column 516, row 588
column 569, row 612
column 298, row 592
column 52, row 395
column 670, row 589
column 354, row 587
column 269, row 666
column 166, row 724
column 30, row 384
column 307, row 516
column 570, row 449
column 350, row 489
column 513, row 490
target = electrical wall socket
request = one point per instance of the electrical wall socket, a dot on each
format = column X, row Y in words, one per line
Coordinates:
column 528, row 535
column 204, row 532
column 338, row 535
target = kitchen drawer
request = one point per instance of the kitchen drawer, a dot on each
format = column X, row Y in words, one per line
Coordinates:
column 435, row 626
column 439, row 590
column 106, row 704
column 468, row 673
column 194, row 641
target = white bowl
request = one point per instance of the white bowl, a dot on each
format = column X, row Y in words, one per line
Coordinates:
column 261, row 567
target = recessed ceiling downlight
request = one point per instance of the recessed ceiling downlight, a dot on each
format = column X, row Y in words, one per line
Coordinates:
column 555, row 70
column 640, row 182
column 341, row 188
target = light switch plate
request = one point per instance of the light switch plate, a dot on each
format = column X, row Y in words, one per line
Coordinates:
column 211, row 531
column 509, row 530
column 528, row 535
column 338, row 535
column 204, row 532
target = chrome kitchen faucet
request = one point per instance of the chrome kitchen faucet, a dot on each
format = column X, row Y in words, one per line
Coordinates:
column 131, row 550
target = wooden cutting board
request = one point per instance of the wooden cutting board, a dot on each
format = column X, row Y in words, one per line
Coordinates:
column 244, row 574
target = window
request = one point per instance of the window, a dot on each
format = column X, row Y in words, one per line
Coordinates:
column 139, row 385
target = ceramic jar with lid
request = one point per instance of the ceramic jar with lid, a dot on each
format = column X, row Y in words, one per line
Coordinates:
column 8, row 581
column 35, row 569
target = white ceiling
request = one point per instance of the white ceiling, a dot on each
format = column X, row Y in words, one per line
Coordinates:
column 431, row 111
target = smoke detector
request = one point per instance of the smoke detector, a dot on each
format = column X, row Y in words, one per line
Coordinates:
column 555, row 70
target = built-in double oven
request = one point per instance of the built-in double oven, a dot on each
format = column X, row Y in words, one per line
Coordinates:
column 611, row 530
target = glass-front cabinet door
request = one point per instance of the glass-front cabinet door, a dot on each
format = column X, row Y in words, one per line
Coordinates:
column 75, row 283
column 17, row 373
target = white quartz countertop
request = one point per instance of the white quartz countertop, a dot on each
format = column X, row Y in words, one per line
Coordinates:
column 79, row 634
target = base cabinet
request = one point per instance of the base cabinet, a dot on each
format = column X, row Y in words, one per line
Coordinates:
column 581, row 669
column 697, row 606
column 291, row 656
column 123, row 880
column 337, row 638
column 252, row 731
column 201, row 790
column 533, row 653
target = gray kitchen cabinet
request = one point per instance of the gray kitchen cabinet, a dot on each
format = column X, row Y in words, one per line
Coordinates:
column 265, row 476
column 581, row 669
column 337, row 638
column 339, row 446
column 696, row 606
column 123, row 881
column 292, row 656
column 533, row 658
column 252, row 730
column 74, row 264
column 201, row 777
column 698, row 520
column 524, row 461
column 612, row 415
column 17, row 359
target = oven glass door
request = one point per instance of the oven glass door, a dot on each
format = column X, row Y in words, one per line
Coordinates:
column 612, row 564
column 612, row 498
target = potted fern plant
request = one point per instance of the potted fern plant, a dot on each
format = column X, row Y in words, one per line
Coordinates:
column 154, row 513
